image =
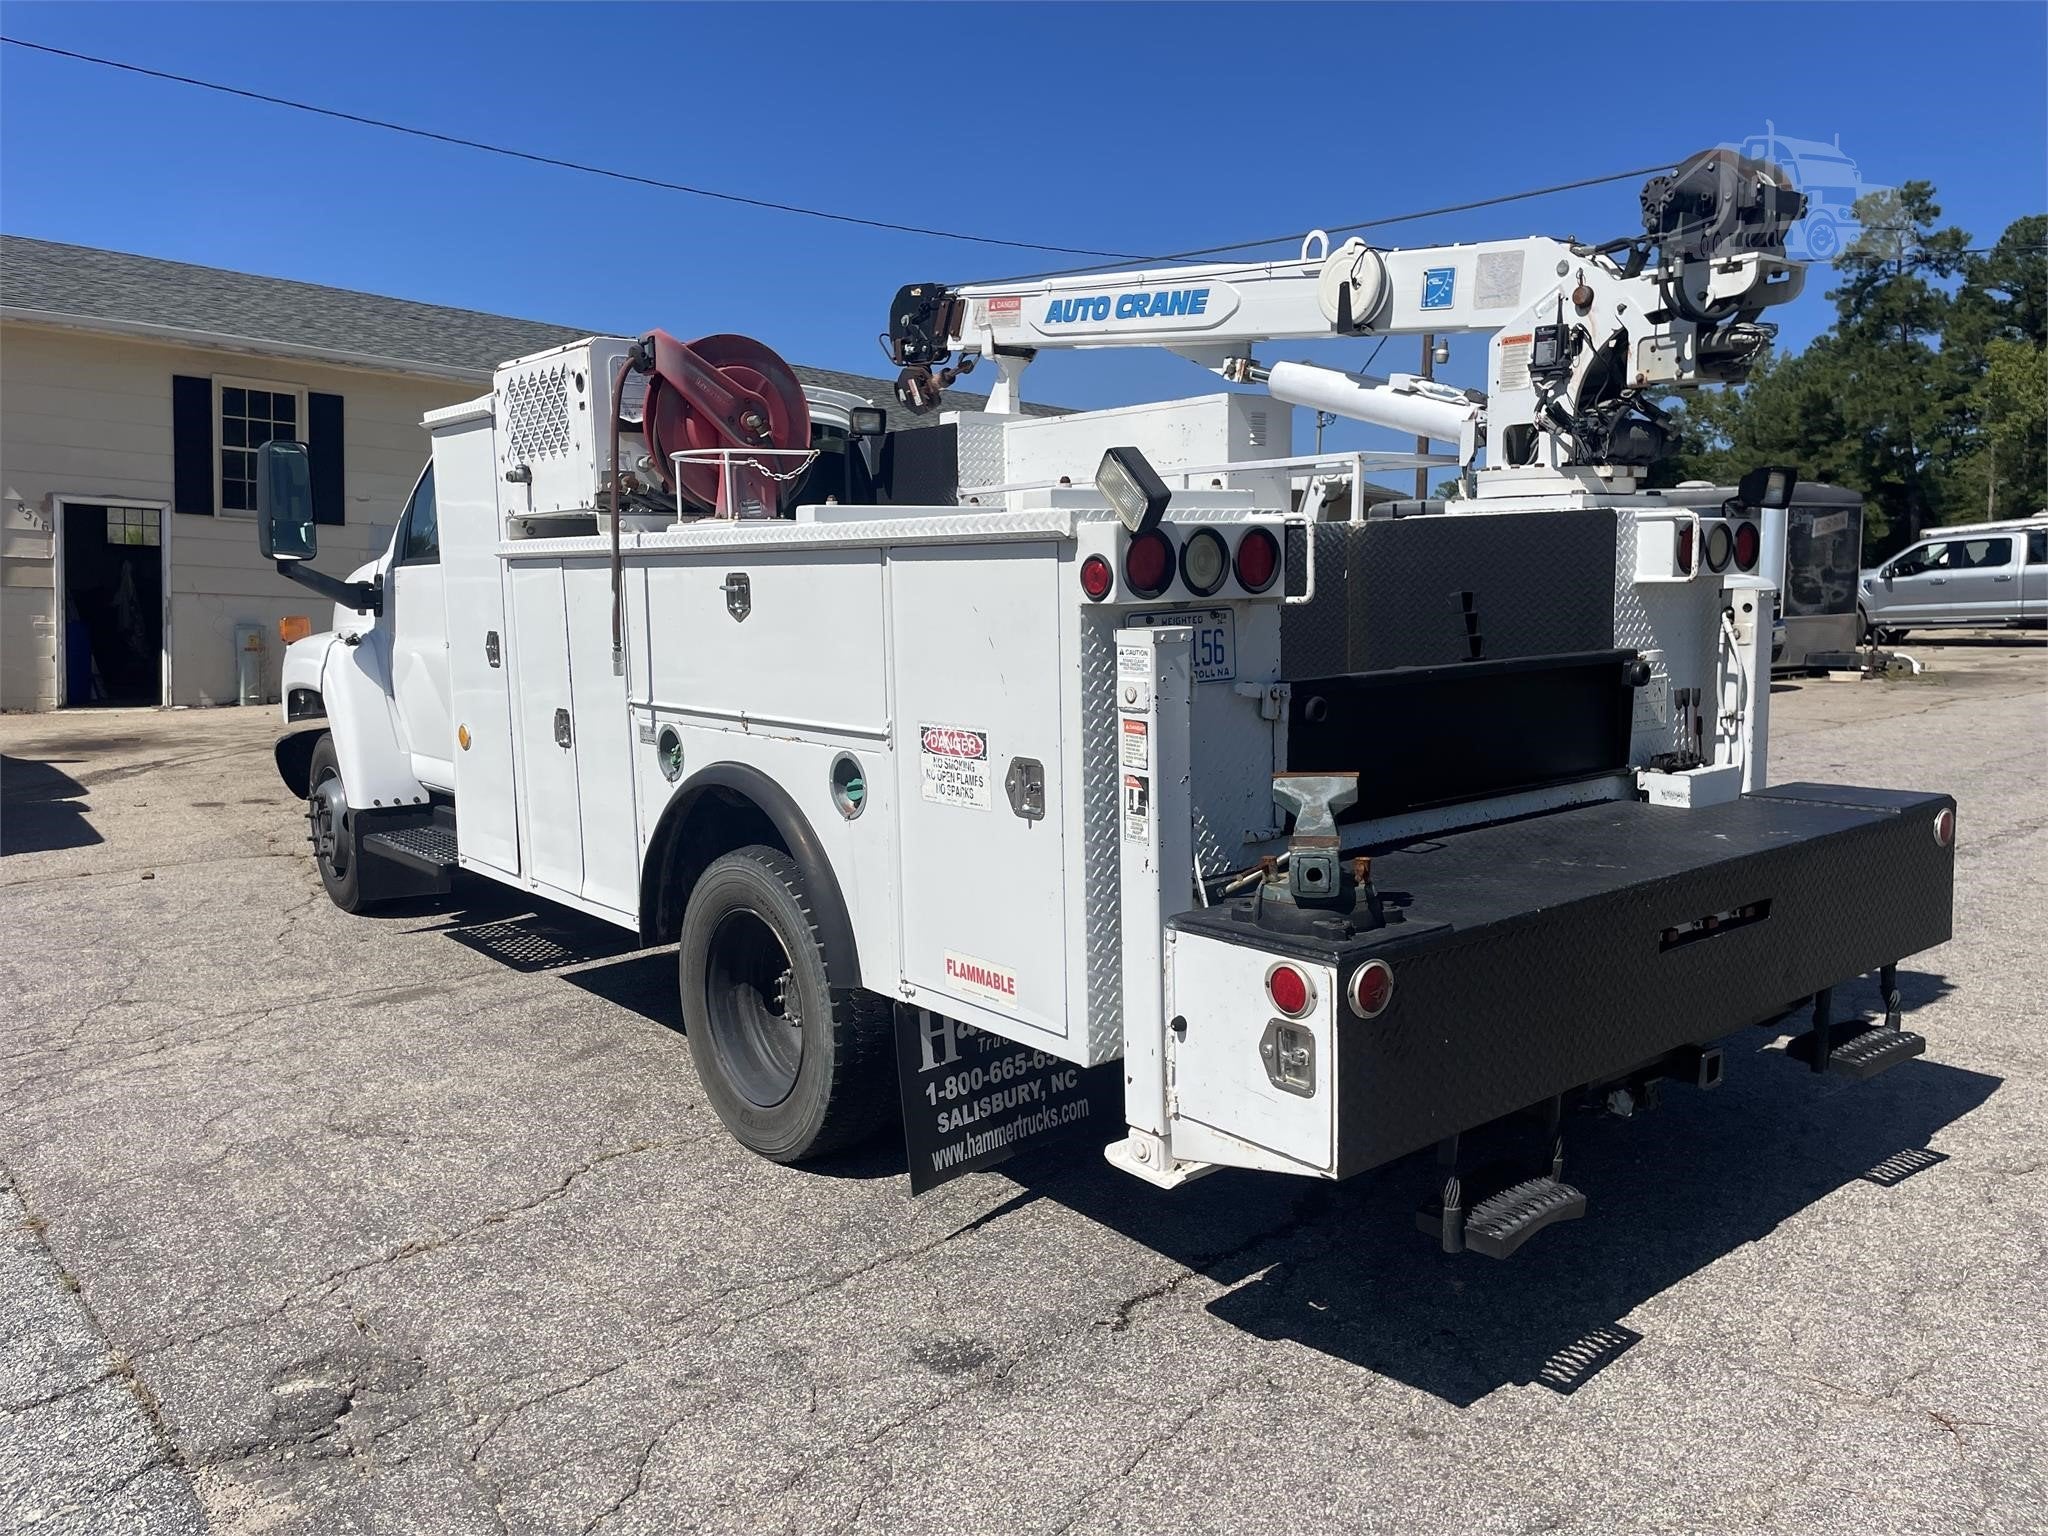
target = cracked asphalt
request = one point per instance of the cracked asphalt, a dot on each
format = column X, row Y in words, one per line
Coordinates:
column 420, row 1223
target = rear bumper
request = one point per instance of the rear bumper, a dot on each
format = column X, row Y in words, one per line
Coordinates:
column 1535, row 957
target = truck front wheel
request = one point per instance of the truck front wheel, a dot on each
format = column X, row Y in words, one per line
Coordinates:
column 332, row 829
column 795, row 1066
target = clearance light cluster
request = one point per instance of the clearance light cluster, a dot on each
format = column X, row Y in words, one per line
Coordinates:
column 1203, row 561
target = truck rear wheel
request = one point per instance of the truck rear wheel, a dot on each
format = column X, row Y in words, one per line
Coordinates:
column 795, row 1066
column 336, row 848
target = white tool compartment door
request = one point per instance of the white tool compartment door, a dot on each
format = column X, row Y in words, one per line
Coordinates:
column 479, row 666
column 978, row 673
column 548, row 812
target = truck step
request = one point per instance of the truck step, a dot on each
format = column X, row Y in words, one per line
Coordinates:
column 1861, row 1053
column 429, row 849
column 1497, row 1226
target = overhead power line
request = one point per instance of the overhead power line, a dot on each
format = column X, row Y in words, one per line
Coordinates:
column 1116, row 259
column 1348, row 229
column 559, row 162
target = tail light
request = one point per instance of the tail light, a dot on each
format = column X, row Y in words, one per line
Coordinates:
column 1372, row 988
column 1945, row 826
column 1685, row 531
column 1720, row 547
column 1096, row 577
column 1290, row 990
column 1204, row 562
column 1749, row 544
column 1258, row 560
column 1148, row 564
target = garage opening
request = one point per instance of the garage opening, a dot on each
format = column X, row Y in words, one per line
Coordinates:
column 113, row 604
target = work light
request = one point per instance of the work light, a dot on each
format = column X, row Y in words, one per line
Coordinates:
column 1131, row 485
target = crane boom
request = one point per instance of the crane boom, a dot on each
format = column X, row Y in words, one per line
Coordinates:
column 1585, row 339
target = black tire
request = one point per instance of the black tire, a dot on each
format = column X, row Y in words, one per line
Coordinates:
column 332, row 829
column 750, row 957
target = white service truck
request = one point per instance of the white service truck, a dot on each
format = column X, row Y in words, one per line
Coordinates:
column 1013, row 802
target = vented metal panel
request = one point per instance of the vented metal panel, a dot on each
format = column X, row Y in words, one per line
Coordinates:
column 537, row 413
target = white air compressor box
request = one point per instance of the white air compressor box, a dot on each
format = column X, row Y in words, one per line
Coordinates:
column 1173, row 435
column 554, row 414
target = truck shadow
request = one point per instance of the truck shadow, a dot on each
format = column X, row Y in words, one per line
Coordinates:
column 1342, row 1269
column 41, row 808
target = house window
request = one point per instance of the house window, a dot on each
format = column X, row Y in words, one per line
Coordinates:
column 134, row 525
column 249, row 414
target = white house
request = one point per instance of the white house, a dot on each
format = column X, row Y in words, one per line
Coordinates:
column 133, row 394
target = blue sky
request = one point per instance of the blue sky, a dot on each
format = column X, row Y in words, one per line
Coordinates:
column 1140, row 128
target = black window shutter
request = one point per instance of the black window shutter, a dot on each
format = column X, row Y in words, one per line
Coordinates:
column 324, row 455
column 192, row 444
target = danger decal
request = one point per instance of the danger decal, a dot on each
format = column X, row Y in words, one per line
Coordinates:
column 955, row 764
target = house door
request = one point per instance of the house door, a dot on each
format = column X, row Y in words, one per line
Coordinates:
column 113, row 602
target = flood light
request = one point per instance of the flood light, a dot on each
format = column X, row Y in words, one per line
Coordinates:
column 1768, row 485
column 1130, row 484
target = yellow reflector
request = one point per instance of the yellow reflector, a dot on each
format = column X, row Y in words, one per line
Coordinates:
column 462, row 735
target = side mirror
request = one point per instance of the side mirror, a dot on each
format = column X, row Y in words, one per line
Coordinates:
column 284, row 502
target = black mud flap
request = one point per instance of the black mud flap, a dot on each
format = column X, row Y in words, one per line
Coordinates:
column 971, row 1099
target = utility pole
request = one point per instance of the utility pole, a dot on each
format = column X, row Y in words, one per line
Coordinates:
column 1422, row 443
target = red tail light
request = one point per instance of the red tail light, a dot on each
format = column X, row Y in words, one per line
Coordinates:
column 1096, row 577
column 1148, row 564
column 1685, row 531
column 1290, row 991
column 1258, row 560
column 1372, row 988
column 1749, row 544
column 1945, row 826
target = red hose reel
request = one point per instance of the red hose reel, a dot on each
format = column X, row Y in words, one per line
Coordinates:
column 723, row 393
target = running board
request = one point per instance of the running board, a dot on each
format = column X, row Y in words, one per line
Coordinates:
column 1858, row 1052
column 1497, row 1227
column 1500, row 1222
column 428, row 850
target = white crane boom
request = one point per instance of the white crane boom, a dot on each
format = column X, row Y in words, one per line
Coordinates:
column 1583, row 344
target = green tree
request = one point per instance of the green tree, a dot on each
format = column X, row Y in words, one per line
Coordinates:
column 1929, row 393
column 1996, row 342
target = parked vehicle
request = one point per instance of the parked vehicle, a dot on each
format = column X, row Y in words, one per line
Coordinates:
column 1984, row 576
column 980, row 797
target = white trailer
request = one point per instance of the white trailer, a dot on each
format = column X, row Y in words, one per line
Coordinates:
column 1297, row 846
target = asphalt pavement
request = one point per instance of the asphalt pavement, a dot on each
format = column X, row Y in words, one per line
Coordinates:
column 420, row 1223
